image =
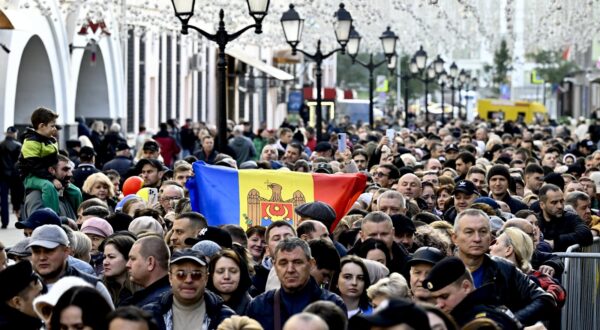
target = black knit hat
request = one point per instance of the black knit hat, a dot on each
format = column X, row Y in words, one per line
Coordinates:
column 444, row 273
column 498, row 170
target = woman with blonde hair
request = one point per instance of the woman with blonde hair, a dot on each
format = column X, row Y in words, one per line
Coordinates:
column 393, row 286
column 99, row 185
column 516, row 246
column 239, row 323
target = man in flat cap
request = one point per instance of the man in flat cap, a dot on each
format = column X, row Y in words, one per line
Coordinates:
column 451, row 286
column 420, row 265
column 20, row 285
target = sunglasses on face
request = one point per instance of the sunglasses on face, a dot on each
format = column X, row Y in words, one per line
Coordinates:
column 183, row 274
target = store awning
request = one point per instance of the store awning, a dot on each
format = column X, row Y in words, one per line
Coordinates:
column 260, row 65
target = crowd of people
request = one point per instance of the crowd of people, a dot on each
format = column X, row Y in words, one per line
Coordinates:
column 456, row 229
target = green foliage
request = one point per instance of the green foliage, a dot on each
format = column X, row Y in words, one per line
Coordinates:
column 551, row 67
column 502, row 64
column 357, row 77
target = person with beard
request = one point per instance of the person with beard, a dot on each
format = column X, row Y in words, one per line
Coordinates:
column 561, row 229
column 62, row 172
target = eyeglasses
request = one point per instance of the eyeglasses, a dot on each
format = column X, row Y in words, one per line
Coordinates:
column 182, row 275
column 380, row 174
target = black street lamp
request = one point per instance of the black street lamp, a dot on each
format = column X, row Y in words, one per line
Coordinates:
column 443, row 79
column 463, row 76
column 388, row 40
column 184, row 10
column 418, row 67
column 452, row 75
column 292, row 26
column 405, row 77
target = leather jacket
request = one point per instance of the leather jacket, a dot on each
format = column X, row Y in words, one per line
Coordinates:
column 515, row 290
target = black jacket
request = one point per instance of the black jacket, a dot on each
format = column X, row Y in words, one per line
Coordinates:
column 261, row 308
column 515, row 290
column 215, row 310
column 514, row 204
column 566, row 231
column 81, row 173
column 120, row 164
column 9, row 155
column 11, row 318
column 482, row 303
column 450, row 214
column 548, row 259
column 148, row 295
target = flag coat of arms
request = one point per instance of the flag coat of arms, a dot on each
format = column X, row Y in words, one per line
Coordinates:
column 258, row 197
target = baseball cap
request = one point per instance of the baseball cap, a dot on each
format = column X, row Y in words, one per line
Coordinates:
column 426, row 255
column 393, row 312
column 15, row 278
column 465, row 186
column 49, row 237
column 189, row 255
column 122, row 146
column 587, row 143
column 151, row 146
column 20, row 249
column 452, row 147
column 11, row 129
column 152, row 162
column 87, row 151
column 43, row 216
column 323, row 168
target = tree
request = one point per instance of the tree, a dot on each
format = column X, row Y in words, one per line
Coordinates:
column 551, row 66
column 502, row 64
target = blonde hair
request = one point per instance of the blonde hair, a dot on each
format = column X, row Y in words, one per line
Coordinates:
column 522, row 246
column 99, row 177
column 81, row 246
column 393, row 286
column 237, row 322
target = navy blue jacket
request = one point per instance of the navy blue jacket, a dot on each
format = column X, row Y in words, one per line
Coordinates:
column 148, row 295
column 215, row 310
column 120, row 164
column 261, row 308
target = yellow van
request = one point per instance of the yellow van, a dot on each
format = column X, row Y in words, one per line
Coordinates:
column 518, row 111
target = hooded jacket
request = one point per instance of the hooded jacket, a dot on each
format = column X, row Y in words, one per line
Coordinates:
column 216, row 311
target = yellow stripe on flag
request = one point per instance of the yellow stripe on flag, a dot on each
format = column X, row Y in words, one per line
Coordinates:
column 267, row 196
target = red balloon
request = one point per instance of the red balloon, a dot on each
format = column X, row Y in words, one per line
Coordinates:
column 132, row 185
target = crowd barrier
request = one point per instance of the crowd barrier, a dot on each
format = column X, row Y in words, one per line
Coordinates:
column 581, row 280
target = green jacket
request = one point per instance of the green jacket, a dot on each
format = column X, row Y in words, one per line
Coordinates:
column 37, row 154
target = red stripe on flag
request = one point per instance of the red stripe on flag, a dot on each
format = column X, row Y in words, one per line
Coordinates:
column 339, row 191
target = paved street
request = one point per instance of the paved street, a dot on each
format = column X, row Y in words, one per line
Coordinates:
column 11, row 235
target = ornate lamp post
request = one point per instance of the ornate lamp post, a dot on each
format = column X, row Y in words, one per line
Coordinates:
column 452, row 75
column 388, row 40
column 184, row 10
column 292, row 26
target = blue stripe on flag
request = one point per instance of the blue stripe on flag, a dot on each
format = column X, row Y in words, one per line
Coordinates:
column 214, row 192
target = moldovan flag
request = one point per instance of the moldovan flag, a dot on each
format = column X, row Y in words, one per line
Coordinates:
column 258, row 197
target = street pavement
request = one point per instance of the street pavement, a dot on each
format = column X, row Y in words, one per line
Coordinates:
column 11, row 235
